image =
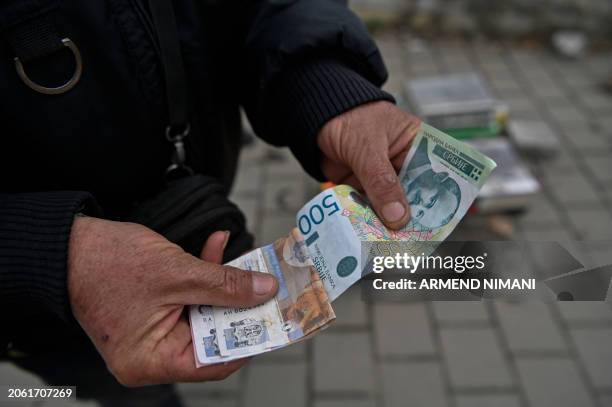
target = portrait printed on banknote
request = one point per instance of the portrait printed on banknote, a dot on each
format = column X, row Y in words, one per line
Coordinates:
column 302, row 299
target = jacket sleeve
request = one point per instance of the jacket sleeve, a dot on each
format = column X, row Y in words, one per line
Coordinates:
column 34, row 235
column 306, row 61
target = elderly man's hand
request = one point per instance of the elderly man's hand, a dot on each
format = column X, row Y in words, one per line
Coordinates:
column 365, row 147
column 128, row 288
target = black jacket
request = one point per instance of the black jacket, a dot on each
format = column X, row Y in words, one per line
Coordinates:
column 292, row 65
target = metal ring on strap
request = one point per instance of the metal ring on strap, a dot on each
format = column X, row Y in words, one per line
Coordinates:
column 174, row 136
column 76, row 76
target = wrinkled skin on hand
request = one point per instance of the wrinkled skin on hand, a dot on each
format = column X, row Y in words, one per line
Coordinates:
column 365, row 148
column 128, row 287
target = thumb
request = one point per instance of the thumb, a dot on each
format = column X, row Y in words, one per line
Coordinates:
column 214, row 247
column 382, row 186
column 214, row 284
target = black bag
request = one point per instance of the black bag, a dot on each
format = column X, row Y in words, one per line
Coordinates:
column 192, row 208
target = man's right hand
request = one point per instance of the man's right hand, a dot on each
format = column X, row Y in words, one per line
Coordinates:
column 128, row 287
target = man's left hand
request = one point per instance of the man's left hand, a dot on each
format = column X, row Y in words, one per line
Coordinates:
column 365, row 148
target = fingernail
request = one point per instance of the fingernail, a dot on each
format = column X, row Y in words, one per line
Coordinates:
column 394, row 211
column 227, row 236
column 262, row 283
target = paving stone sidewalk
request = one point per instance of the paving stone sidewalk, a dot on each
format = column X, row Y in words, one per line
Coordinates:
column 455, row 354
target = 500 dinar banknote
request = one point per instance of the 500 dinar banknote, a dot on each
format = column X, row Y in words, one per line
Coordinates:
column 441, row 178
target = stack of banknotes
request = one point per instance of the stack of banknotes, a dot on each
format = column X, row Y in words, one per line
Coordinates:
column 321, row 258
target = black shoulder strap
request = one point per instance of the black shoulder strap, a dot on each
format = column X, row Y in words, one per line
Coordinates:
column 34, row 38
column 29, row 28
column 176, row 88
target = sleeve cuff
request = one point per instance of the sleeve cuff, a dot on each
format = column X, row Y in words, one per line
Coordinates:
column 303, row 100
column 34, row 235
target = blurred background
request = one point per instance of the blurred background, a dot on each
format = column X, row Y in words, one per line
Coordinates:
column 529, row 83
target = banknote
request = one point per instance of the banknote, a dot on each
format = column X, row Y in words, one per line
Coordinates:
column 243, row 331
column 441, row 178
column 321, row 258
column 302, row 299
column 205, row 331
column 300, row 307
column 204, row 335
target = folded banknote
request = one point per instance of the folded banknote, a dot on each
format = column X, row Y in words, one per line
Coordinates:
column 321, row 257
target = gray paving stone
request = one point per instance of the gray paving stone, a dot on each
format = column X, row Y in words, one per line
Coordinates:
column 544, row 264
column 311, row 188
column 601, row 168
column 567, row 114
column 11, row 374
column 225, row 392
column 210, row 402
column 592, row 224
column 600, row 253
column 564, row 162
column 458, row 67
column 608, row 193
column 61, row 403
column 574, row 76
column 595, row 349
column 343, row 362
column 578, row 137
column 585, row 312
column 350, row 309
column 509, row 84
column 280, row 162
column 422, row 71
column 456, row 312
column 517, row 93
column 423, row 62
column 587, row 140
column 604, row 123
column 273, row 227
column 248, row 180
column 250, row 209
column 541, row 212
column 295, row 352
column 546, row 234
column 415, row 384
column 395, row 85
column 455, row 54
column 493, row 64
column 495, row 400
column 571, row 189
column 549, row 93
column 605, row 400
column 530, row 63
column 261, row 388
column 536, row 76
column 212, row 389
column 596, row 102
column 519, row 105
column 553, row 383
column 251, row 155
column 474, row 358
column 529, row 327
column 345, row 403
column 20, row 403
column 560, row 98
column 284, row 195
column 402, row 329
column 599, row 64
